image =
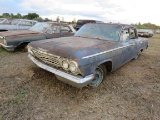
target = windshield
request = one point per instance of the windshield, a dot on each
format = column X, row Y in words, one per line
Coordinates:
column 100, row 31
column 40, row 27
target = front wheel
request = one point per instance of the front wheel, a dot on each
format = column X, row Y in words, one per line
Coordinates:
column 100, row 74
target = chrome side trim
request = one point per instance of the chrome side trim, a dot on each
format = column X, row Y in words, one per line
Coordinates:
column 77, row 81
column 89, row 56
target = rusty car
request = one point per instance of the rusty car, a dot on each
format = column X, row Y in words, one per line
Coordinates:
column 11, row 40
column 85, row 58
column 17, row 24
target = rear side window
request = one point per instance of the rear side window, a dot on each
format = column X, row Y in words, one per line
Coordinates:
column 133, row 34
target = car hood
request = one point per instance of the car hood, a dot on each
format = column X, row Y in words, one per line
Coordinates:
column 16, row 32
column 71, row 47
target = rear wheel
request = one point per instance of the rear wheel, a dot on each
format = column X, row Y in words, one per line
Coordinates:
column 100, row 74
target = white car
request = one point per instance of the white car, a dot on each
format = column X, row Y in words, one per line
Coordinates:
column 18, row 24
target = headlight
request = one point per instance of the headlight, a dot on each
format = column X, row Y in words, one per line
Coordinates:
column 73, row 67
column 65, row 64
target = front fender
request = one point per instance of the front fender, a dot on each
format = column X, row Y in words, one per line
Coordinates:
column 98, row 63
column 90, row 68
column 26, row 39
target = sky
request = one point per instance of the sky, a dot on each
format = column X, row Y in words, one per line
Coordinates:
column 116, row 11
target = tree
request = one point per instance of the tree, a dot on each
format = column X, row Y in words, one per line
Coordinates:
column 31, row 16
column 58, row 19
column 63, row 19
column 12, row 16
column 39, row 19
column 19, row 15
column 46, row 20
column 139, row 23
column 74, row 21
column 6, row 15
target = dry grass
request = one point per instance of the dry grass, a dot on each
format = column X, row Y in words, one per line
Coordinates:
column 131, row 92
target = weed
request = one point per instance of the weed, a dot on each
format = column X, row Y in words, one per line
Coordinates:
column 19, row 96
column 2, row 49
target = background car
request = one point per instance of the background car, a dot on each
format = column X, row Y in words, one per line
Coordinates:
column 158, row 31
column 2, row 20
column 145, row 33
column 5, row 21
column 11, row 40
column 85, row 58
column 80, row 23
column 18, row 24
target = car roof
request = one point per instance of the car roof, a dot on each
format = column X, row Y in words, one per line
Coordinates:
column 57, row 23
column 26, row 20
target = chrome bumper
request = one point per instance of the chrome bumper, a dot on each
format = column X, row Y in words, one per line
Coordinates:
column 8, row 48
column 76, row 81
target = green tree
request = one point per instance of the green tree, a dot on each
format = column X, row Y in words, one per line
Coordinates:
column 31, row 16
column 6, row 15
column 39, row 19
column 58, row 19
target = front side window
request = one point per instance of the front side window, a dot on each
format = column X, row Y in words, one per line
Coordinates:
column 125, row 35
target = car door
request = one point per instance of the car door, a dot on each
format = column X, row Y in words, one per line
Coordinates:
column 66, row 31
column 53, row 31
column 127, row 46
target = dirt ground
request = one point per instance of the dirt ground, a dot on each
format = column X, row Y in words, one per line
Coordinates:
column 132, row 92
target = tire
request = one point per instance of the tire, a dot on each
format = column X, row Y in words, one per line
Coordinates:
column 100, row 74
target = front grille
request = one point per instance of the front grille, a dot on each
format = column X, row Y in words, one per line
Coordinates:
column 47, row 58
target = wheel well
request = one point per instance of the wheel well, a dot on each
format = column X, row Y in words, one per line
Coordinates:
column 147, row 47
column 108, row 66
column 23, row 44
